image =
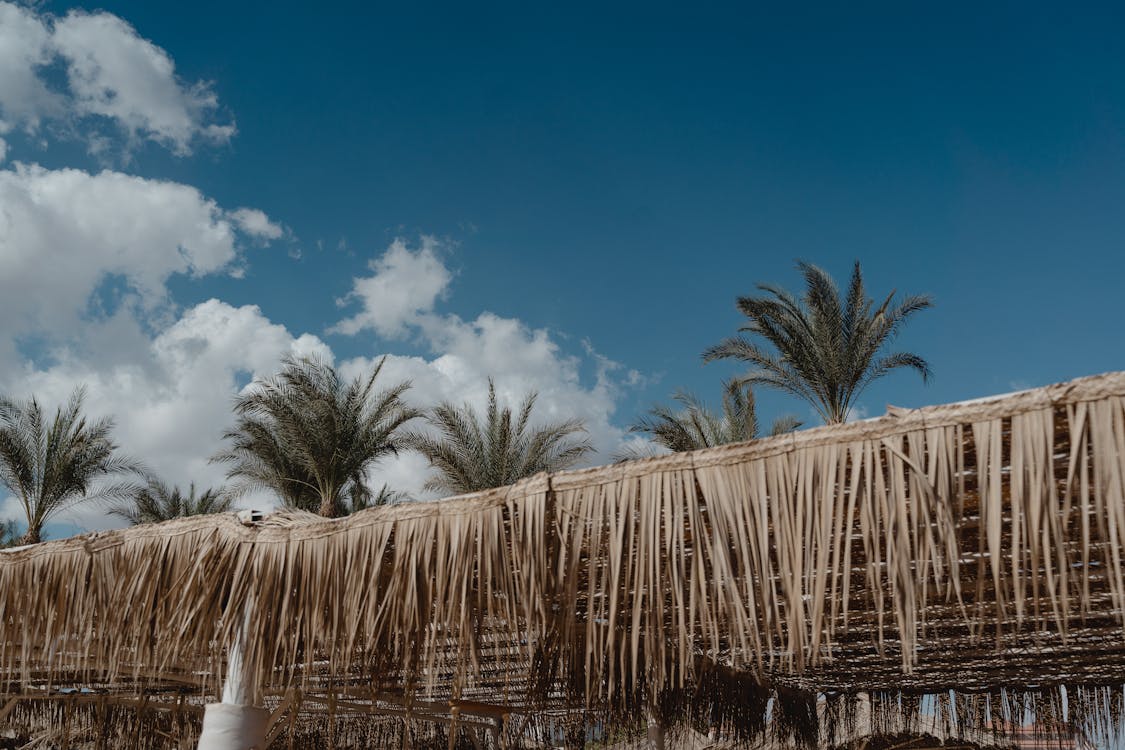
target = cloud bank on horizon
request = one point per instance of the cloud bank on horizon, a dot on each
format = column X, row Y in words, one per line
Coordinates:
column 86, row 259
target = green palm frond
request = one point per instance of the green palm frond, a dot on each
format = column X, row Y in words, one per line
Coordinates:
column 51, row 464
column 362, row 498
column 694, row 426
column 825, row 349
column 156, row 502
column 469, row 454
column 311, row 437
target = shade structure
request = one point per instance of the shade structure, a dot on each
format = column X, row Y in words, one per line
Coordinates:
column 961, row 560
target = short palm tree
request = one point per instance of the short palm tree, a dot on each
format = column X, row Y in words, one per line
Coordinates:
column 156, row 502
column 52, row 464
column 694, row 426
column 367, row 499
column 8, row 534
column 472, row 454
column 311, row 437
column 826, row 350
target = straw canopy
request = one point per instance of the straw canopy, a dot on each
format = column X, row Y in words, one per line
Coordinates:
column 963, row 560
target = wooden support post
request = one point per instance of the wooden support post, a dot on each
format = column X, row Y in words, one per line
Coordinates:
column 101, row 722
column 8, row 708
column 498, row 735
column 293, row 721
column 455, row 712
column 278, row 715
column 67, row 711
column 655, row 732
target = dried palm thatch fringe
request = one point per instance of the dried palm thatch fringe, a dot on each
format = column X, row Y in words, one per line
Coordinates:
column 974, row 547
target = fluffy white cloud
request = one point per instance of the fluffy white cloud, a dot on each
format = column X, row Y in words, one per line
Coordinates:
column 25, row 47
column 405, row 284
column 466, row 353
column 255, row 223
column 115, row 73
column 111, row 72
column 64, row 232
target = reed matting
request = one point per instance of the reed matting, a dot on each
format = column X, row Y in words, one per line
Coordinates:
column 969, row 550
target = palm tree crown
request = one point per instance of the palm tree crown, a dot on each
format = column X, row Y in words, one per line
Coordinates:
column 827, row 349
column 471, row 454
column 695, row 426
column 158, row 502
column 52, row 464
column 311, row 437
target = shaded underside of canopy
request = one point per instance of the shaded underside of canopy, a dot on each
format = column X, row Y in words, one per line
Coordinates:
column 973, row 548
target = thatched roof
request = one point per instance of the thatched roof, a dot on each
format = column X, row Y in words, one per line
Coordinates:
column 973, row 548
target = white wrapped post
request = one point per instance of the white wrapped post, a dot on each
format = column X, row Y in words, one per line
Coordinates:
column 228, row 726
column 233, row 724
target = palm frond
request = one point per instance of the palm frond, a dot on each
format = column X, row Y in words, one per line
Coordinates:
column 469, row 453
column 825, row 349
column 694, row 426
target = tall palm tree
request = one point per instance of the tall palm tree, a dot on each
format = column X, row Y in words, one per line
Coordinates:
column 826, row 349
column 695, row 426
column 471, row 454
column 52, row 464
column 156, row 502
column 311, row 437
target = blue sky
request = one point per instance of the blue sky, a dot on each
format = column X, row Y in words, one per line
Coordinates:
column 579, row 192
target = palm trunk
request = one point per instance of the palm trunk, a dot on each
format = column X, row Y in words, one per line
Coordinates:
column 32, row 536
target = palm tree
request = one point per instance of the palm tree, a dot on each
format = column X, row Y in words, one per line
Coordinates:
column 311, row 437
column 472, row 454
column 8, row 534
column 695, row 426
column 365, row 500
column 157, row 502
column 51, row 465
column 827, row 349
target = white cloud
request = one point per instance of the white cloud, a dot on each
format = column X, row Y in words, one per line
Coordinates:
column 64, row 232
column 256, row 224
column 405, row 284
column 112, row 74
column 25, row 47
column 466, row 353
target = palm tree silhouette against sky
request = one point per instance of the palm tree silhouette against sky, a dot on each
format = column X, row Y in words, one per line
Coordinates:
column 825, row 350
